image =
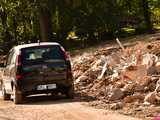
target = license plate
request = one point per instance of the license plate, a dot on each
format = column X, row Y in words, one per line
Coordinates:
column 51, row 86
column 42, row 87
column 45, row 87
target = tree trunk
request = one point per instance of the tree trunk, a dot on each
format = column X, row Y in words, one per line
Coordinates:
column 147, row 15
column 3, row 16
column 6, row 36
column 45, row 25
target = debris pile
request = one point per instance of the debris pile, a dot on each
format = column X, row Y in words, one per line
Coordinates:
column 120, row 76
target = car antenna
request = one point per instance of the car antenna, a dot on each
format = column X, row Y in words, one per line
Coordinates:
column 39, row 42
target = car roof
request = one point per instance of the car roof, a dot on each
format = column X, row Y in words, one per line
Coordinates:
column 18, row 47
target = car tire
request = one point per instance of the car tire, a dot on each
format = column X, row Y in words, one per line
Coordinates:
column 4, row 94
column 70, row 93
column 17, row 97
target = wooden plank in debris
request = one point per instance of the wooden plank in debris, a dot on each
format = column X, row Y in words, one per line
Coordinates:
column 120, row 44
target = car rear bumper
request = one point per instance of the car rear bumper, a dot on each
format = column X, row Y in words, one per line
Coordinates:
column 29, row 88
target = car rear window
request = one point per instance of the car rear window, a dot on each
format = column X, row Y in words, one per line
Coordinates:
column 39, row 54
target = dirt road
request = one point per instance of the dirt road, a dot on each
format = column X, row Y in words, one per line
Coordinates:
column 49, row 108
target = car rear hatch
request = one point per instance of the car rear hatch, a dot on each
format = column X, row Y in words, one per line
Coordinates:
column 43, row 64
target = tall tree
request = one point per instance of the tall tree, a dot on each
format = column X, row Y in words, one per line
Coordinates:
column 147, row 15
column 45, row 24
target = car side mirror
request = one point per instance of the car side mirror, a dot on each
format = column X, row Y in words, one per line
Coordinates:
column 2, row 65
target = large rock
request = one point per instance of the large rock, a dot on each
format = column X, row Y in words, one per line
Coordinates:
column 146, row 81
column 151, row 70
column 150, row 98
column 129, row 88
column 138, row 73
column 149, row 59
column 119, row 85
column 154, row 96
column 134, row 98
column 152, row 86
column 116, row 94
column 139, row 88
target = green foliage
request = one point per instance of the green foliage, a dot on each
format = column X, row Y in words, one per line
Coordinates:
column 92, row 19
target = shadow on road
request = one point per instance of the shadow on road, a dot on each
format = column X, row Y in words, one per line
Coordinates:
column 56, row 99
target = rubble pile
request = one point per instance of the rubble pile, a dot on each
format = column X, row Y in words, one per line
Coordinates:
column 120, row 76
column 154, row 48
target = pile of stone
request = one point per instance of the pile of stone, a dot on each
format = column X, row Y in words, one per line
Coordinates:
column 120, row 75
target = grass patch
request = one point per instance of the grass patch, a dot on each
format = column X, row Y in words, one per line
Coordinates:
column 157, row 27
column 128, row 30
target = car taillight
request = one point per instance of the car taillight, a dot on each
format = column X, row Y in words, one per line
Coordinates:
column 66, row 56
column 18, row 60
column 19, row 67
column 18, row 77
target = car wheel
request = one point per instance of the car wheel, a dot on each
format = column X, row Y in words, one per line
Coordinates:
column 17, row 97
column 70, row 93
column 4, row 94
